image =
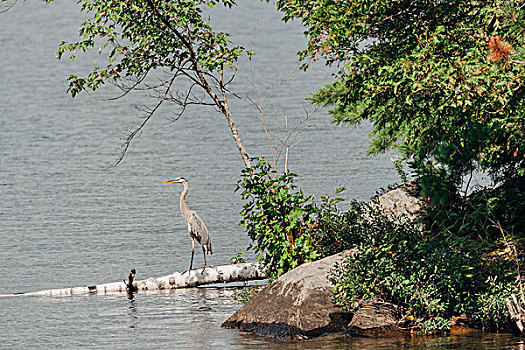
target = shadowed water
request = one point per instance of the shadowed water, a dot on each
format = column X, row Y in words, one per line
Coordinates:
column 64, row 222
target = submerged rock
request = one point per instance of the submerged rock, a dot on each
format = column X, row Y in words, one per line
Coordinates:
column 297, row 305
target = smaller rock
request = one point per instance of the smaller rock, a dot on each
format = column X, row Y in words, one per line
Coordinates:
column 403, row 201
column 375, row 318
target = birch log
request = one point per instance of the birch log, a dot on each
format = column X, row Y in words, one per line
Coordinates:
column 194, row 278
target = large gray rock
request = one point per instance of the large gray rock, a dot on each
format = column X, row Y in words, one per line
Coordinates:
column 295, row 306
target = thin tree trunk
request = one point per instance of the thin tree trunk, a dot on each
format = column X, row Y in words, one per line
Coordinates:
column 194, row 278
column 237, row 139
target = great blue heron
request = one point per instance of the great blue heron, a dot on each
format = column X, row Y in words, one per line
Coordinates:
column 196, row 227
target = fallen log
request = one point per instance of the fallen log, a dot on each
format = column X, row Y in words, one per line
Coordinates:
column 193, row 278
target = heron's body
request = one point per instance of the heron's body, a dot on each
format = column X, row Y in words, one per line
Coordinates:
column 196, row 227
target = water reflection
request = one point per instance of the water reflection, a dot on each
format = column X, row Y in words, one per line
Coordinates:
column 474, row 341
column 132, row 312
column 182, row 319
column 201, row 317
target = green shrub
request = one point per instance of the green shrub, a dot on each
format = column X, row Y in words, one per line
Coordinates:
column 485, row 213
column 434, row 277
column 239, row 257
column 278, row 218
column 457, row 263
column 244, row 294
column 335, row 232
column 491, row 311
column 435, row 325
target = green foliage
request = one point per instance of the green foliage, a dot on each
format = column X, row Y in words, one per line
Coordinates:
column 400, row 170
column 492, row 309
column 244, row 294
column 193, row 64
column 434, row 277
column 337, row 231
column 435, row 325
column 239, row 258
column 486, row 213
column 277, row 217
column 442, row 81
column 144, row 35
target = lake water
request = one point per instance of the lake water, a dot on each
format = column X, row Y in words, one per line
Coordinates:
column 64, row 222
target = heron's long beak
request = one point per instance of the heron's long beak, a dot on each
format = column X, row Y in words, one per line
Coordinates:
column 169, row 181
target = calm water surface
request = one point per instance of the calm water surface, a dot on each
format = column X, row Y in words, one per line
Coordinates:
column 65, row 223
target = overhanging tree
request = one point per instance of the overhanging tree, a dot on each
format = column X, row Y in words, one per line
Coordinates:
column 441, row 81
column 170, row 38
column 156, row 45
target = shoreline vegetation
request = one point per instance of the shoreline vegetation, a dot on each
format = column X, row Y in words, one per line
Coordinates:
column 438, row 278
column 440, row 273
column 442, row 84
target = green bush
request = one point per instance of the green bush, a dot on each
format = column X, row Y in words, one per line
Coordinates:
column 334, row 232
column 435, row 277
column 435, row 325
column 460, row 262
column 337, row 231
column 278, row 218
column 491, row 311
column 484, row 214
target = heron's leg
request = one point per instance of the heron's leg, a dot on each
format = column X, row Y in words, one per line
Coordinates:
column 192, row 252
column 204, row 253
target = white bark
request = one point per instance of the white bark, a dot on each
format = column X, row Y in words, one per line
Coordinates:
column 194, row 278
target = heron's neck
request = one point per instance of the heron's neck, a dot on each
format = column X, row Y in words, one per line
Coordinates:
column 183, row 208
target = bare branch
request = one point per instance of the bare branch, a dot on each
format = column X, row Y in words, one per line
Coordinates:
column 259, row 104
column 132, row 135
column 233, row 75
column 8, row 6
column 298, row 129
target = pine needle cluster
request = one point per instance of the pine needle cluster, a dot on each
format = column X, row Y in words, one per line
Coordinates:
column 499, row 50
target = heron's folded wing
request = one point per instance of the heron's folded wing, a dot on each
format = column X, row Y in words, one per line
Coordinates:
column 198, row 228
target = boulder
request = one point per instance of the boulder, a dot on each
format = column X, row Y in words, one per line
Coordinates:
column 297, row 305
